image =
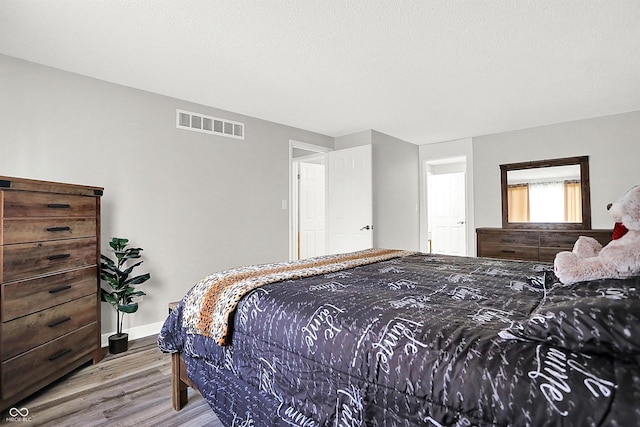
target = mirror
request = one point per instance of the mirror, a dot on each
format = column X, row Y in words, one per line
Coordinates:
column 550, row 194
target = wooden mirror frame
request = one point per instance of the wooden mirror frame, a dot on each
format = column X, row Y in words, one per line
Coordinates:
column 583, row 161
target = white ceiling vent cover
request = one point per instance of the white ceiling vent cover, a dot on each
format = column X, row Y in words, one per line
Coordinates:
column 207, row 124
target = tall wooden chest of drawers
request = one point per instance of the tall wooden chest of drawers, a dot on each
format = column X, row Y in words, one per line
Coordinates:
column 531, row 245
column 49, row 283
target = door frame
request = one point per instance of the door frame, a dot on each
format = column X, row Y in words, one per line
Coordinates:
column 425, row 164
column 293, row 191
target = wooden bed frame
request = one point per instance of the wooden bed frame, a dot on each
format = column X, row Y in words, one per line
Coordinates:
column 179, row 380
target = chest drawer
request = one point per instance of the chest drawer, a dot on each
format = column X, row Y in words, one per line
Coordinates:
column 38, row 230
column 29, row 296
column 558, row 240
column 507, row 244
column 27, row 332
column 23, row 371
column 21, row 204
column 511, row 238
column 510, row 252
column 35, row 259
column 49, row 283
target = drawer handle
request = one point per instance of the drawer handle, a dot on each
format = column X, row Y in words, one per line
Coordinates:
column 59, row 256
column 58, row 206
column 508, row 251
column 59, row 322
column 59, row 229
column 508, row 240
column 59, row 354
column 60, row 289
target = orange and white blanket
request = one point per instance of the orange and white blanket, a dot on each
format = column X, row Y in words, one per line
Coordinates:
column 209, row 304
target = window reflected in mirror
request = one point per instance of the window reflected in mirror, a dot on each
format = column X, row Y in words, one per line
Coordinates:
column 551, row 194
column 546, row 194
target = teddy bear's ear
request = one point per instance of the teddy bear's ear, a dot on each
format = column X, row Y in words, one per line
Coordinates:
column 630, row 206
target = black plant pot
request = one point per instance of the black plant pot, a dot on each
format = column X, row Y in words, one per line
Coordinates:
column 118, row 343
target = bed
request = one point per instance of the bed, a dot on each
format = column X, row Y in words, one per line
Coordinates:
column 395, row 338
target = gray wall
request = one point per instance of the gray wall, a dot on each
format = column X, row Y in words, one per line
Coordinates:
column 395, row 193
column 395, row 188
column 611, row 142
column 196, row 203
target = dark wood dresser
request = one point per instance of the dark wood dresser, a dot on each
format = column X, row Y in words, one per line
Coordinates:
column 49, row 283
column 531, row 245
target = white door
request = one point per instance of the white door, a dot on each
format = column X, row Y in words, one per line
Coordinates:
column 311, row 214
column 447, row 213
column 349, row 200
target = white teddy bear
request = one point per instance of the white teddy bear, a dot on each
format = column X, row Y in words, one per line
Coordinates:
column 618, row 259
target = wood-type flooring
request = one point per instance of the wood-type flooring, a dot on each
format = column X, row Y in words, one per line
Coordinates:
column 127, row 389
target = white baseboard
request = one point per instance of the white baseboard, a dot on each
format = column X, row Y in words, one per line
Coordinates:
column 136, row 332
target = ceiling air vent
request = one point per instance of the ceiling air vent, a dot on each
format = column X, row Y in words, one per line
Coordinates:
column 207, row 124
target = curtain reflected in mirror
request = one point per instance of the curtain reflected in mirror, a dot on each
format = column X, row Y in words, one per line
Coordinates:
column 573, row 201
column 518, row 203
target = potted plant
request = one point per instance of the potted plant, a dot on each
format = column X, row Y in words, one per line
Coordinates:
column 118, row 276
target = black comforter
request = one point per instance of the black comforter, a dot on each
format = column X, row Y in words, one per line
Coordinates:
column 424, row 340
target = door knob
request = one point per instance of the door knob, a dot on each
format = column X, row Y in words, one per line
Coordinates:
column 366, row 227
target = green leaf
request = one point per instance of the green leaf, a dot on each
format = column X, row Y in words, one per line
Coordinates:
column 110, row 299
column 138, row 279
column 133, row 253
column 107, row 261
column 128, row 308
column 107, row 274
column 117, row 244
column 130, row 269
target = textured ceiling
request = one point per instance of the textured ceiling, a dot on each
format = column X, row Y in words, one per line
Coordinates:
column 423, row 71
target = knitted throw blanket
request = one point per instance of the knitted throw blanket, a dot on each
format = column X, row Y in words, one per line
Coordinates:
column 210, row 303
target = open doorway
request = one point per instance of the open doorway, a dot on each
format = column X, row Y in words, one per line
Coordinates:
column 307, row 196
column 447, row 211
column 311, row 202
